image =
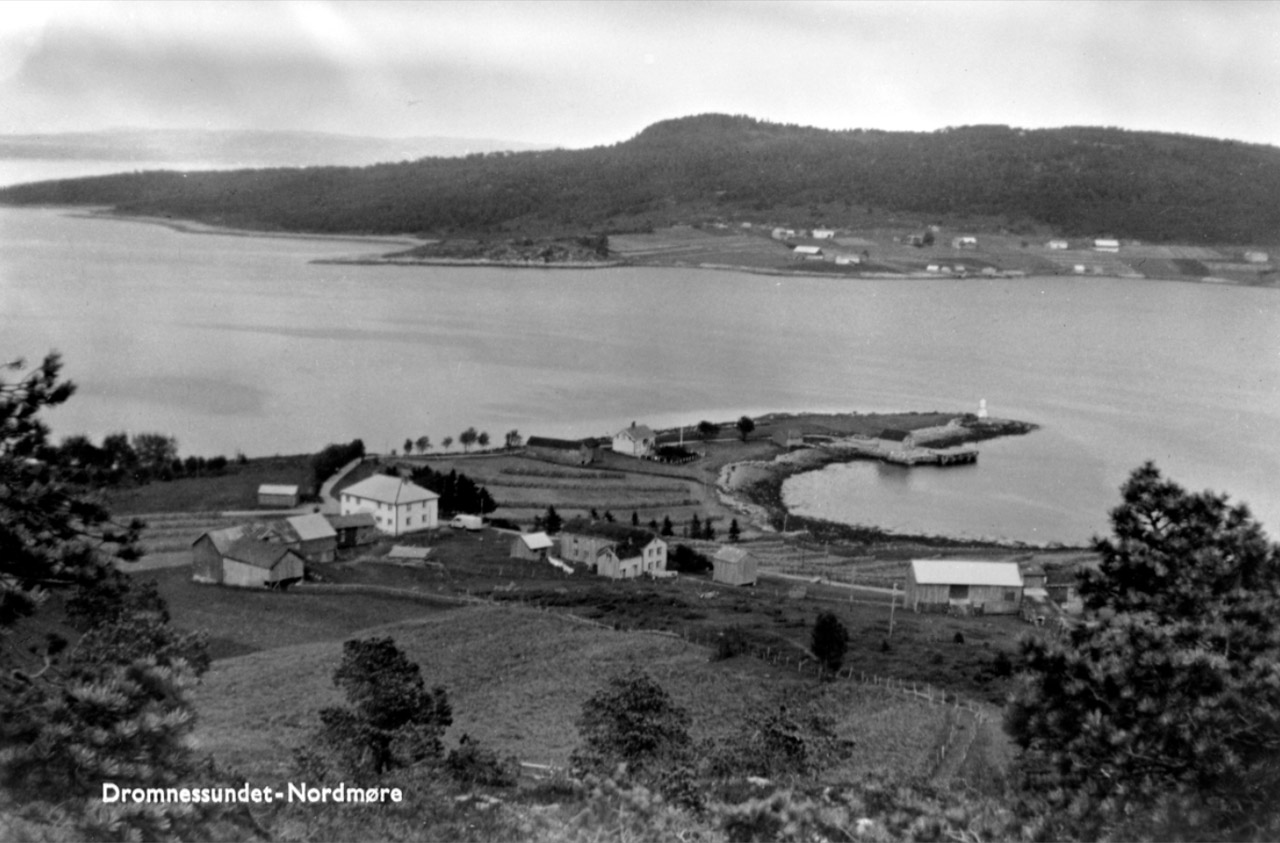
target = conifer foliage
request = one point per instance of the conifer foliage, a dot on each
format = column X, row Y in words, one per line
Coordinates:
column 1159, row 715
column 93, row 681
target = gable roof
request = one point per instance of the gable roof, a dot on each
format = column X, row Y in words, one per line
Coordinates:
column 405, row 551
column 392, row 490
column 635, row 433
column 277, row 489
column 346, row 522
column 536, row 541
column 258, row 554
column 313, row 526
column 735, row 555
column 548, row 442
column 965, row 572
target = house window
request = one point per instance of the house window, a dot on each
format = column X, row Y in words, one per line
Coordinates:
column 1010, row 596
column 959, row 592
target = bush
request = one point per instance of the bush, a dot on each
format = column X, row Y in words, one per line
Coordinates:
column 830, row 641
column 472, row 764
column 732, row 642
column 958, row 638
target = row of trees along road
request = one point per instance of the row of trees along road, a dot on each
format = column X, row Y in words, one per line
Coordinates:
column 466, row 438
column 1156, row 717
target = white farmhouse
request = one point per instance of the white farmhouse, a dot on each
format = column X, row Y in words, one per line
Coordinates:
column 397, row 505
column 634, row 441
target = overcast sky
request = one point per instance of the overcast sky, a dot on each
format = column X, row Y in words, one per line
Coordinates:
column 584, row 73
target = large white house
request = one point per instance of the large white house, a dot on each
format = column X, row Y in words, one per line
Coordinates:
column 634, row 441
column 397, row 505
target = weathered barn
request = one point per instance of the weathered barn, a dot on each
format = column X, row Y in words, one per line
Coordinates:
column 613, row 550
column 313, row 537
column 276, row 495
column 397, row 505
column 734, row 566
column 535, row 547
column 964, row 585
column 354, row 530
column 230, row 557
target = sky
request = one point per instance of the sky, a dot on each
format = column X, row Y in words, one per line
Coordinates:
column 577, row 74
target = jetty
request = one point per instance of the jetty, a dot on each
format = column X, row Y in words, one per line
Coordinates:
column 928, row 456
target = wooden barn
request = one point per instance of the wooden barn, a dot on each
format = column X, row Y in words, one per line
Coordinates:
column 278, row 496
column 354, row 530
column 230, row 557
column 535, row 547
column 734, row 566
column 964, row 585
column 312, row 536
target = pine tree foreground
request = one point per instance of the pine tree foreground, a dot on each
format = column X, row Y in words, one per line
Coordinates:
column 1158, row 717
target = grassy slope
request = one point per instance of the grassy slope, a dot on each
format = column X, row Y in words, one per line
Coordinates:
column 235, row 489
column 517, row 679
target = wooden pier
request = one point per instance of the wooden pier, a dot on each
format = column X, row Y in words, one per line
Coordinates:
column 927, row 456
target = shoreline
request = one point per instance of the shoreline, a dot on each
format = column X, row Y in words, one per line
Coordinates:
column 186, row 226
column 753, row 488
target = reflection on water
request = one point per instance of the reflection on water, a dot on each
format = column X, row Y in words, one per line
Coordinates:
column 240, row 343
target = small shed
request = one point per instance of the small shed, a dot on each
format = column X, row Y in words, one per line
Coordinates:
column 734, row 566
column 354, row 530
column 535, row 547
column 275, row 495
column 965, row 585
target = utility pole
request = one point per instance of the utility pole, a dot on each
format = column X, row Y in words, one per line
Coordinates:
column 893, row 604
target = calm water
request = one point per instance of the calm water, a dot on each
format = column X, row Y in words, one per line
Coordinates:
column 234, row 343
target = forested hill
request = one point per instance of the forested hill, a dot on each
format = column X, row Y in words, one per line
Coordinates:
column 1076, row 181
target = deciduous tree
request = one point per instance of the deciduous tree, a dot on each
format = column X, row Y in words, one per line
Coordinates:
column 392, row 719
column 745, row 426
column 467, row 438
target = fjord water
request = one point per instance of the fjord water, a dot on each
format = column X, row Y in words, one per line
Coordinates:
column 242, row 343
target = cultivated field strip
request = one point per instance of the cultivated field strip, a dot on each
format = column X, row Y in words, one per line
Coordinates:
column 169, row 532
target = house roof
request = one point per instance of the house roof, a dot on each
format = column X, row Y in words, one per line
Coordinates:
column 309, row 527
column 636, row 432
column 894, row 434
column 808, row 250
column 734, row 555
column 346, row 522
column 548, row 442
column 404, row 551
column 536, row 541
column 965, row 572
column 258, row 554
column 627, row 540
column 277, row 489
column 393, row 490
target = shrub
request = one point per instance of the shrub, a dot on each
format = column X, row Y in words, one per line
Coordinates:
column 732, row 642
column 830, row 641
column 472, row 764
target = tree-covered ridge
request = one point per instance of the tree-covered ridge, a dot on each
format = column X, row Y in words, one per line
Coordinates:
column 1079, row 181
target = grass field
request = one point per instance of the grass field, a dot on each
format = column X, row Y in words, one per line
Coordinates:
column 517, row 679
column 236, row 489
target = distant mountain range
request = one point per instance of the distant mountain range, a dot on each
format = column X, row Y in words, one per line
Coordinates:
column 1078, row 181
column 234, row 148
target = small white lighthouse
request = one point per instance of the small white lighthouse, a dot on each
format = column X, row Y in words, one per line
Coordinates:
column 982, row 409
